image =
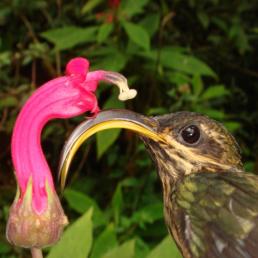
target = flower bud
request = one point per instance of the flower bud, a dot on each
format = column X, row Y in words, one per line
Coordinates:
column 28, row 228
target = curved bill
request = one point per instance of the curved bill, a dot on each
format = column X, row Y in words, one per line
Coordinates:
column 109, row 119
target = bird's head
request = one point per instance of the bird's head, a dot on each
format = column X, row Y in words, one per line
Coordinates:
column 180, row 143
column 192, row 143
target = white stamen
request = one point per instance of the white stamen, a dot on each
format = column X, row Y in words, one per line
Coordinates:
column 121, row 82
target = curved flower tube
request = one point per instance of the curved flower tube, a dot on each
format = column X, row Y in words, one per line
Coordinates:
column 36, row 217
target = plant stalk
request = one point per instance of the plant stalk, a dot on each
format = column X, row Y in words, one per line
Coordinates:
column 36, row 253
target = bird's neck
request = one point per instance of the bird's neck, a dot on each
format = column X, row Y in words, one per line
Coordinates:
column 166, row 170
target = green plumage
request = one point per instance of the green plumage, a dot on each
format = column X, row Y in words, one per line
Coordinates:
column 219, row 214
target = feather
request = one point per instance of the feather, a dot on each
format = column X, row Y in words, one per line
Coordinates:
column 219, row 213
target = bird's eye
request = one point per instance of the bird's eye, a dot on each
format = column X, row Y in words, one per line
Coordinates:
column 191, row 134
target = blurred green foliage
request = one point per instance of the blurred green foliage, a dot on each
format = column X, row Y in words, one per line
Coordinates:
column 197, row 55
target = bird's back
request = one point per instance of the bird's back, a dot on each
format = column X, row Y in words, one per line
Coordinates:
column 215, row 215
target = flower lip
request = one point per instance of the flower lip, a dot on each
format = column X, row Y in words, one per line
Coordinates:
column 78, row 66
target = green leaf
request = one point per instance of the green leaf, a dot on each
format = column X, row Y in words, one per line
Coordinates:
column 116, row 61
column 197, row 85
column 5, row 58
column 130, row 182
column 149, row 213
column 232, row 126
column 108, row 58
column 70, row 36
column 5, row 11
column 117, row 202
column 204, row 19
column 8, row 102
column 90, row 5
column 4, row 248
column 151, row 23
column 238, row 34
column 215, row 114
column 81, row 203
column 132, row 7
column 157, row 111
column 105, row 242
column 186, row 63
column 141, row 248
column 166, row 249
column 106, row 138
column 178, row 78
column 220, row 23
column 174, row 58
column 249, row 166
column 137, row 34
column 214, row 91
column 76, row 240
column 104, row 31
column 126, row 250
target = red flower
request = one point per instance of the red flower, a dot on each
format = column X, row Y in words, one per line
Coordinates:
column 113, row 3
column 109, row 15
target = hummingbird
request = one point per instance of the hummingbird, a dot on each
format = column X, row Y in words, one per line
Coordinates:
column 210, row 202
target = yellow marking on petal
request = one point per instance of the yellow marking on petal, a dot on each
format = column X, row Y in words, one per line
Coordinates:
column 27, row 199
column 37, row 223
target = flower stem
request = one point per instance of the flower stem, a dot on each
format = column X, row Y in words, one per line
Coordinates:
column 36, row 253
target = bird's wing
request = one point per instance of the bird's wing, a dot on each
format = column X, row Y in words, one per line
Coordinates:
column 220, row 214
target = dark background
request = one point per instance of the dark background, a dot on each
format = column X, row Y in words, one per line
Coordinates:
column 196, row 55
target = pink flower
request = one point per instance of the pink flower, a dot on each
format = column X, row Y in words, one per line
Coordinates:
column 36, row 217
